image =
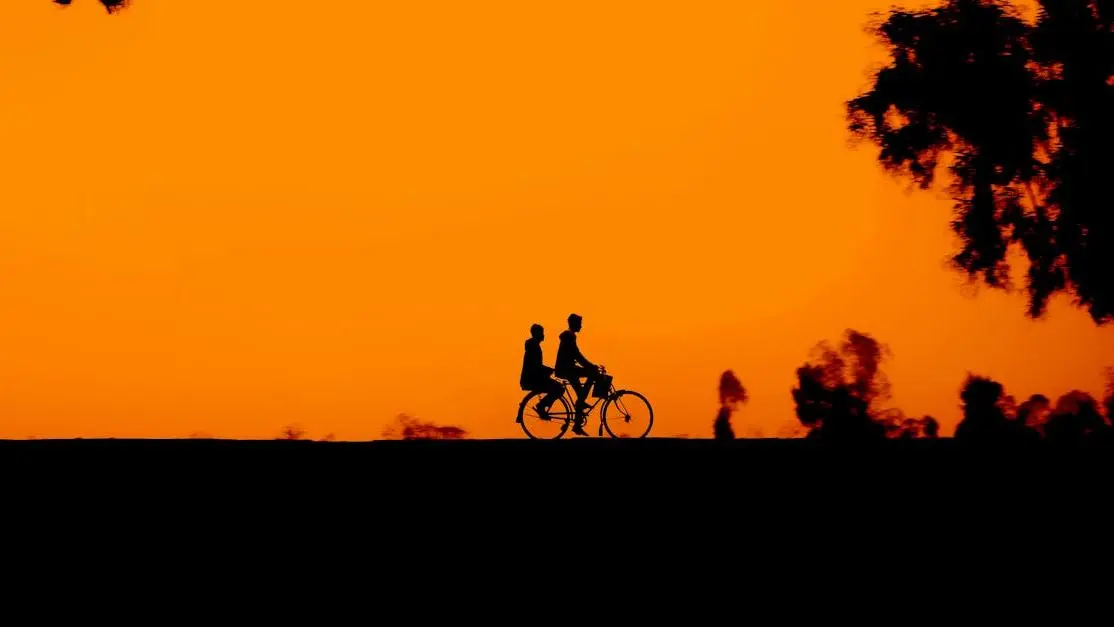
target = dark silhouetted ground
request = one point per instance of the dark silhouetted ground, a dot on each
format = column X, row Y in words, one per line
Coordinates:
column 649, row 515
column 567, row 473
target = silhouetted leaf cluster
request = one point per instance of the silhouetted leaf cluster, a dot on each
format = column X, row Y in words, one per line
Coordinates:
column 110, row 5
column 1023, row 114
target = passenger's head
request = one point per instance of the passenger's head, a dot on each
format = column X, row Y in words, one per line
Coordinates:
column 575, row 322
column 537, row 332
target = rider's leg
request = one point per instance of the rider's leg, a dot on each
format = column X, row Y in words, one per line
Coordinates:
column 582, row 405
column 582, row 389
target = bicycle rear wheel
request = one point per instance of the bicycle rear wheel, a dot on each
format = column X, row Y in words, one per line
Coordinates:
column 537, row 428
column 627, row 415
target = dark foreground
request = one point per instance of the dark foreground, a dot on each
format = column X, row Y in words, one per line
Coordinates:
column 703, row 471
column 544, row 501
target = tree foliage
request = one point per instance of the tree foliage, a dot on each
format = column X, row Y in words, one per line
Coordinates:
column 110, row 5
column 1022, row 114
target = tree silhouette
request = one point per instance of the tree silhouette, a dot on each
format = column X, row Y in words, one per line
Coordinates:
column 839, row 395
column 984, row 414
column 991, row 416
column 110, row 5
column 1075, row 418
column 1023, row 113
column 834, row 395
column 731, row 395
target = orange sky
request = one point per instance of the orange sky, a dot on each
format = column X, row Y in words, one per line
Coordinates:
column 224, row 219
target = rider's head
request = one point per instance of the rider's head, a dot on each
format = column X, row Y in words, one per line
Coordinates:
column 537, row 332
column 575, row 322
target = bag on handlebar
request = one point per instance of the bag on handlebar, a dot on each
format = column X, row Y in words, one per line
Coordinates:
column 603, row 386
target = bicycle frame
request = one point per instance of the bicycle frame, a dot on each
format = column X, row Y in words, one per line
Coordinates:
column 570, row 396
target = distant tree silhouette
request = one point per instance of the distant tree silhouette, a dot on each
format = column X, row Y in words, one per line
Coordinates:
column 732, row 394
column 110, row 5
column 836, row 396
column 989, row 415
column 1034, row 413
column 984, row 417
column 1023, row 113
column 407, row 427
column 930, row 428
column 292, row 432
column 897, row 425
column 1075, row 418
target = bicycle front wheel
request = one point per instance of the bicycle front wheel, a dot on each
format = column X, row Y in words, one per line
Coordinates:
column 627, row 415
column 550, row 428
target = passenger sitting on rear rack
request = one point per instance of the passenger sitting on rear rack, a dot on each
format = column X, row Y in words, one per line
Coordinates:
column 535, row 375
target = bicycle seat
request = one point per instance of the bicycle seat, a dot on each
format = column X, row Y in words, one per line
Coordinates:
column 560, row 380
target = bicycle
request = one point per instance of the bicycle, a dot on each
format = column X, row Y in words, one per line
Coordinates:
column 629, row 412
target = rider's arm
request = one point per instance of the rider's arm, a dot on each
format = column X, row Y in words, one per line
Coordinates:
column 584, row 360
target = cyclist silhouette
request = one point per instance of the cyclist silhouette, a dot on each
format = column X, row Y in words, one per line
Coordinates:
column 547, row 411
column 574, row 366
column 535, row 375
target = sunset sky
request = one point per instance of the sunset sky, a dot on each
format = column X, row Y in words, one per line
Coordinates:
column 228, row 217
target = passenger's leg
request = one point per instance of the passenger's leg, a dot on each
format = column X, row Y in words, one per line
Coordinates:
column 554, row 391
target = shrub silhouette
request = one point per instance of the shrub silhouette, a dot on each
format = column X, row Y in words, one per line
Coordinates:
column 407, row 427
column 292, row 432
column 897, row 425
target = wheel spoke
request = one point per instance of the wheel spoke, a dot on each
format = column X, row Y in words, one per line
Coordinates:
column 540, row 428
column 629, row 415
